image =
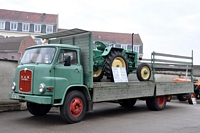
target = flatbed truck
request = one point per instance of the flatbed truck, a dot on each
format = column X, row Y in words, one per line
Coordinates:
column 60, row 74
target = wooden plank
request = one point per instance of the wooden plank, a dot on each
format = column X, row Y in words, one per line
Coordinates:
column 105, row 91
column 168, row 88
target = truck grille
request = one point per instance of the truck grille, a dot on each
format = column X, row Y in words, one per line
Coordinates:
column 25, row 80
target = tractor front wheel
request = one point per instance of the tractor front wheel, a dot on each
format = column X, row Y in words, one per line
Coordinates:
column 143, row 72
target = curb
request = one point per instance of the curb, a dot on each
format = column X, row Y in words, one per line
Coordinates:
column 11, row 106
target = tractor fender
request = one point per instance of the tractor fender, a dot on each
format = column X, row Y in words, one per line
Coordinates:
column 109, row 49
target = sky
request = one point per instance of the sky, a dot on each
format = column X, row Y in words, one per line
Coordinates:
column 165, row 26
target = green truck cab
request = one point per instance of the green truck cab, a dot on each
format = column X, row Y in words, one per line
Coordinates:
column 60, row 74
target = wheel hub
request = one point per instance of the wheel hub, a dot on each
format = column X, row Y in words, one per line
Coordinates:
column 76, row 107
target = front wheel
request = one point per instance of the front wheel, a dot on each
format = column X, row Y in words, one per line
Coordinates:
column 143, row 72
column 38, row 109
column 74, row 108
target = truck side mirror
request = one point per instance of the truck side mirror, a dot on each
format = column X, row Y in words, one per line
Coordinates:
column 67, row 60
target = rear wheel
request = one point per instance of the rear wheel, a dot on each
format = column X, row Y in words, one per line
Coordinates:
column 156, row 103
column 143, row 72
column 74, row 108
column 127, row 102
column 114, row 59
column 38, row 109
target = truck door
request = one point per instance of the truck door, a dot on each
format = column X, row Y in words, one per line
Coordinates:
column 67, row 75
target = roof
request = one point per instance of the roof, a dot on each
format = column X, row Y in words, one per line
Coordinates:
column 12, row 43
column 63, row 33
column 123, row 38
column 28, row 16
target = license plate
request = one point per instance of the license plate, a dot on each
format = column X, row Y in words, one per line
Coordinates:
column 14, row 96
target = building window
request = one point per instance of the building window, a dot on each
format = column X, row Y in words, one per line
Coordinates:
column 13, row 25
column 25, row 26
column 136, row 48
column 37, row 27
column 2, row 25
column 124, row 46
column 49, row 29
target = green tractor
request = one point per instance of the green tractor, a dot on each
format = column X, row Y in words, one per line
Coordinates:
column 106, row 57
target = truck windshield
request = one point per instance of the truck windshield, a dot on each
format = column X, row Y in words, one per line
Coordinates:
column 38, row 55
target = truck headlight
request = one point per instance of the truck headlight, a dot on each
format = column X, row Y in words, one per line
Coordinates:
column 41, row 88
column 13, row 86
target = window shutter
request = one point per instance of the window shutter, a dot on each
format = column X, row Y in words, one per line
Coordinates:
column 141, row 49
column 19, row 27
column 31, row 28
column 54, row 28
column 7, row 26
column 43, row 29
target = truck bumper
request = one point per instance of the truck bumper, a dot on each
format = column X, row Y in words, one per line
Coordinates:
column 30, row 98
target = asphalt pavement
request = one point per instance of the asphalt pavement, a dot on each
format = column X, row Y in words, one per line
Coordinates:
column 177, row 117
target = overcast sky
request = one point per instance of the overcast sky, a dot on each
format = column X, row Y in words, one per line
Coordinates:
column 165, row 26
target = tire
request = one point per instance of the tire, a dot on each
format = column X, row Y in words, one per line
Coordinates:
column 143, row 72
column 148, row 103
column 74, row 108
column 114, row 59
column 190, row 96
column 38, row 109
column 182, row 97
column 127, row 102
column 156, row 103
column 98, row 75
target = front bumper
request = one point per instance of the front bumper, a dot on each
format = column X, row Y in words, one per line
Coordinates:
column 30, row 98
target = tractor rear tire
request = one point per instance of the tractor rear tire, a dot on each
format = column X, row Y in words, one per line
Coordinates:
column 114, row 59
column 143, row 72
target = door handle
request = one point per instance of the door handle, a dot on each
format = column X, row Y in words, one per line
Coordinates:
column 76, row 70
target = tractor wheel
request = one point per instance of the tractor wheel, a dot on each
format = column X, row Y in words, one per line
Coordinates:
column 182, row 97
column 190, row 96
column 98, row 75
column 38, row 109
column 74, row 108
column 127, row 102
column 156, row 103
column 143, row 72
column 114, row 59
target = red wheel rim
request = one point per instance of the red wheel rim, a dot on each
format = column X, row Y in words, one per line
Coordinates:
column 76, row 107
column 161, row 100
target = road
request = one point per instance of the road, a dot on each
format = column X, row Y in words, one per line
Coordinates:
column 177, row 117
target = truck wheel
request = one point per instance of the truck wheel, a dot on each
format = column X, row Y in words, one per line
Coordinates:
column 143, row 72
column 74, row 108
column 98, row 75
column 190, row 96
column 182, row 97
column 127, row 102
column 114, row 59
column 38, row 109
column 156, row 103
